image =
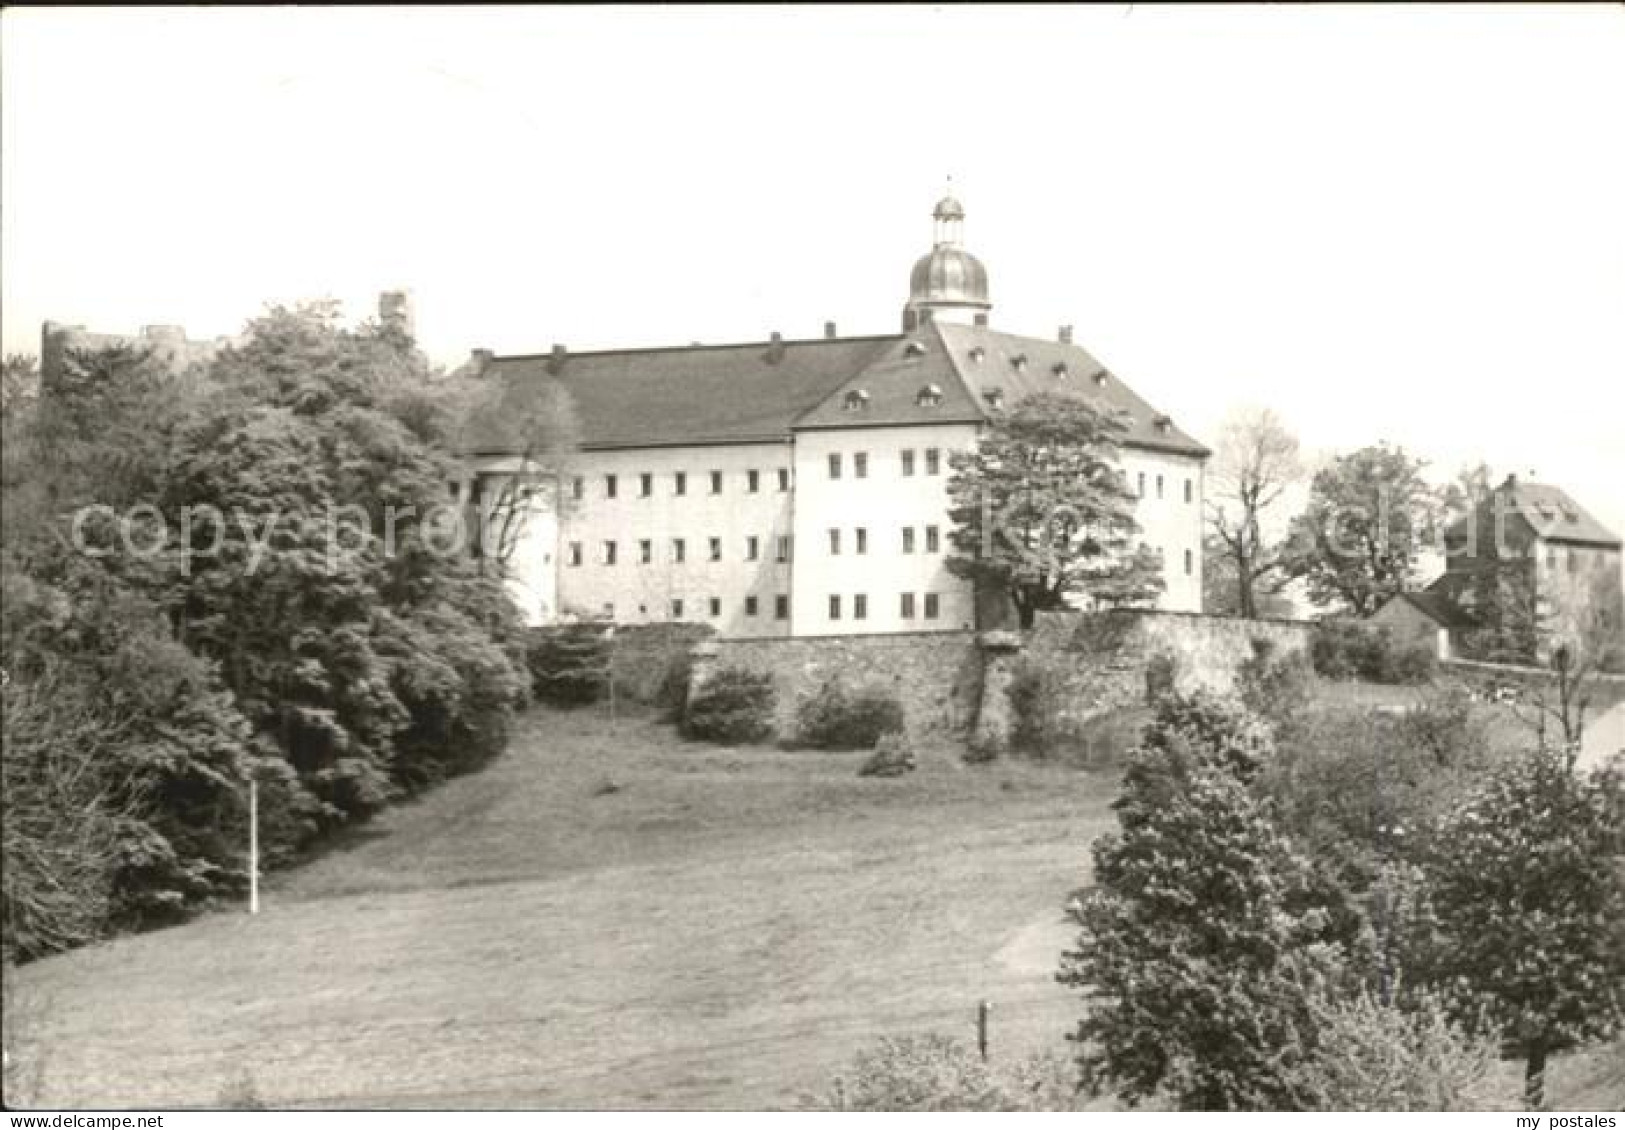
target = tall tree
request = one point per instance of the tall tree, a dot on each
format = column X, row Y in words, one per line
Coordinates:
column 1357, row 541
column 1256, row 462
column 1042, row 512
column 1204, row 944
column 1527, row 888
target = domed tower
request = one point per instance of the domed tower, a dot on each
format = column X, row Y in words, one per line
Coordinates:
column 950, row 284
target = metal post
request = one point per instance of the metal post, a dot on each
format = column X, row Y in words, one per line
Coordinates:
column 253, row 846
column 981, row 1028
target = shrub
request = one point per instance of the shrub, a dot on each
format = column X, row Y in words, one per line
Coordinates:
column 892, row 758
column 1275, row 687
column 833, row 717
column 733, row 706
column 569, row 663
column 932, row 1072
column 1032, row 711
column 1376, row 1055
column 1343, row 649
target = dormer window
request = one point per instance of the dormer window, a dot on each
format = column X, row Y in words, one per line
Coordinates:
column 914, row 349
column 1019, row 362
column 995, row 399
column 1164, row 424
column 1059, row 369
column 929, row 397
column 977, row 353
column 856, row 400
column 1099, row 379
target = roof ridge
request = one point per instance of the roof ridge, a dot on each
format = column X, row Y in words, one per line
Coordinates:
column 696, row 346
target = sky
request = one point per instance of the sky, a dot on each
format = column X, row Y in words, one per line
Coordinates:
column 1386, row 223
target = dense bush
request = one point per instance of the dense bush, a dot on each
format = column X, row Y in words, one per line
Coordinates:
column 1374, row 1055
column 838, row 718
column 1344, row 649
column 933, row 1072
column 732, row 707
column 1161, row 675
column 1032, row 711
column 1273, row 686
column 569, row 663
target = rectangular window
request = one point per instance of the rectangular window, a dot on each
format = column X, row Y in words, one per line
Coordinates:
column 932, row 542
column 1159, row 486
column 716, row 549
column 750, row 606
column 575, row 553
column 834, row 608
column 646, row 551
column 753, row 549
column 609, row 486
column 1187, row 490
column 908, row 539
column 784, row 478
column 716, row 482
column 646, row 485
column 679, row 551
column 753, row 481
column 609, row 553
column 609, row 611
column 931, row 606
column 716, row 607
column 1142, row 484
column 677, row 609
column 781, row 607
column 679, row 483
column 1574, row 559
column 933, row 461
column 835, row 543
column 1189, row 562
column 578, row 488
column 908, row 606
column 860, row 607
column 860, row 465
column 863, row 539
column 908, row 461
column 782, row 554
column 835, row 464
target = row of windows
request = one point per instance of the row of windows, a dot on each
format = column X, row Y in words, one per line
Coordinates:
column 860, row 540
column 906, row 606
column 713, row 605
column 609, row 551
column 1190, row 489
column 679, row 483
column 1576, row 557
column 905, row 461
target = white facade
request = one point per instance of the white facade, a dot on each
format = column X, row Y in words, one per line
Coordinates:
column 689, row 533
column 804, row 553
column 848, row 588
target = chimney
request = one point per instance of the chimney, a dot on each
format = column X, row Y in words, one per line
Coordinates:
column 395, row 313
column 555, row 360
column 829, row 329
column 479, row 360
column 1064, row 336
column 775, row 348
column 1511, row 483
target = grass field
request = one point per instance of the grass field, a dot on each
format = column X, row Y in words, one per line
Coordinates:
column 603, row 918
column 608, row 917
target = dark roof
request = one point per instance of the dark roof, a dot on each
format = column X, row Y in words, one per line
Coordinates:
column 761, row 391
column 1436, row 605
column 696, row 394
column 1548, row 511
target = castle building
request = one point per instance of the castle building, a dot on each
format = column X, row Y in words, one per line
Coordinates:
column 798, row 487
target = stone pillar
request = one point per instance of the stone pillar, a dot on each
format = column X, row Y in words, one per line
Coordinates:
column 1000, row 652
column 703, row 661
